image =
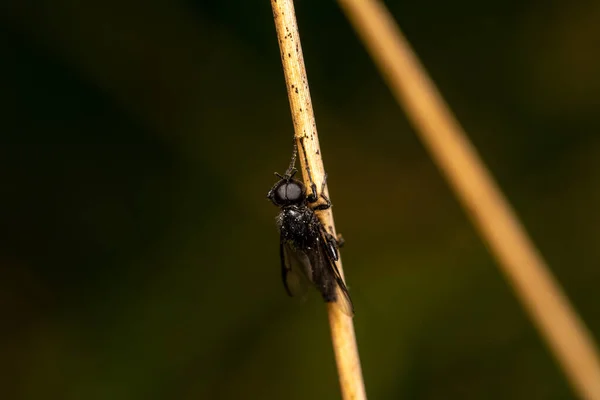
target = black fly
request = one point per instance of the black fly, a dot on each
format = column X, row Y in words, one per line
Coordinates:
column 308, row 252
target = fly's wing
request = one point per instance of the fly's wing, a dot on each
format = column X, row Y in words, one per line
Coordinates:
column 296, row 270
column 332, row 277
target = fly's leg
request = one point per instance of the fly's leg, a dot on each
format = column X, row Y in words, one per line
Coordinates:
column 327, row 204
column 340, row 240
column 332, row 246
column 332, row 243
column 312, row 198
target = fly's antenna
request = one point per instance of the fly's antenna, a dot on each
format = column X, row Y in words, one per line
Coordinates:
column 291, row 169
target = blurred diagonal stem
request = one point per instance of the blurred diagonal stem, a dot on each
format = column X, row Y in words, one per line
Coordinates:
column 536, row 288
column 305, row 129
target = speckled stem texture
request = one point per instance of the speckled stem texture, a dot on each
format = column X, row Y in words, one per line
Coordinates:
column 449, row 146
column 305, row 129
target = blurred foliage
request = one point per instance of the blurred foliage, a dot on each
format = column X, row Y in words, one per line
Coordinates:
column 139, row 256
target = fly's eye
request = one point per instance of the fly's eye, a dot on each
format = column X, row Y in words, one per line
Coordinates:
column 288, row 192
column 293, row 191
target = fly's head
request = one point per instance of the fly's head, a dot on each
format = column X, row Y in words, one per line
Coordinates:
column 288, row 191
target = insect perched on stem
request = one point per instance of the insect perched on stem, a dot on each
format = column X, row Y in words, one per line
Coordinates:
column 308, row 252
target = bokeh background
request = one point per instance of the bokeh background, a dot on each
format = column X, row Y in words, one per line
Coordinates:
column 139, row 256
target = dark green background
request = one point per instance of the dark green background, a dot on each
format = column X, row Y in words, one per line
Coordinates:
column 139, row 256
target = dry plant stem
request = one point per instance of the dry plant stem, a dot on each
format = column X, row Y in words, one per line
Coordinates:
column 524, row 267
column 342, row 328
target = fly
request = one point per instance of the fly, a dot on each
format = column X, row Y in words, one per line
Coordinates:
column 307, row 251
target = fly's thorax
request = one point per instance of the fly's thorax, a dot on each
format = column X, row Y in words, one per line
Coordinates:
column 297, row 224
